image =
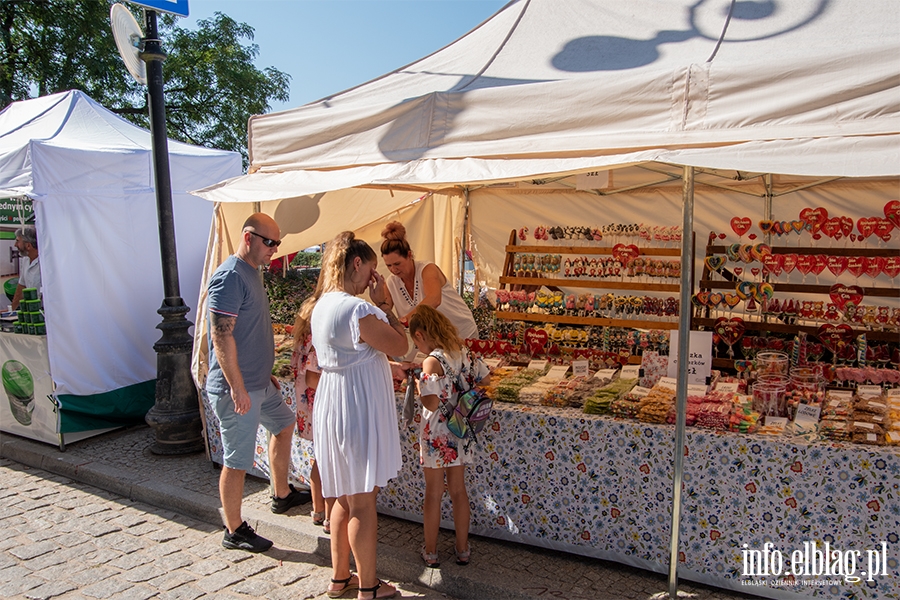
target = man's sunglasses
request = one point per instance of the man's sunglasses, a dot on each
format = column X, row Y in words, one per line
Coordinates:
column 269, row 243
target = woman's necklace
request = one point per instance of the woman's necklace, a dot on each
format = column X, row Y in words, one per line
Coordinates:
column 415, row 297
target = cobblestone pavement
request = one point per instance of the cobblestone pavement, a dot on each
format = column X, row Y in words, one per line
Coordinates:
column 65, row 539
column 121, row 463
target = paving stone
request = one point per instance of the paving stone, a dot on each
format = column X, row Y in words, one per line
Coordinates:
column 130, row 561
column 172, row 579
column 220, row 580
column 99, row 529
column 254, row 567
column 254, row 587
column 144, row 573
column 107, row 587
column 29, row 551
column 187, row 591
column 92, row 575
column 49, row 589
column 208, row 567
column 104, row 556
column 19, row 586
column 138, row 592
column 179, row 560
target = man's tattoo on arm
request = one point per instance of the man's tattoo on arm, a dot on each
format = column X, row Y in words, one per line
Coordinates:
column 222, row 324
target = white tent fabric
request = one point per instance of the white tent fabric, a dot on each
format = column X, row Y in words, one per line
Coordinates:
column 90, row 175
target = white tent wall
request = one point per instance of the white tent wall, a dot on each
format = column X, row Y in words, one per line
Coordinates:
column 90, row 175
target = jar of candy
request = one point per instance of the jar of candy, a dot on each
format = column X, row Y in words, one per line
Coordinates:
column 770, row 364
column 807, row 386
column 770, row 395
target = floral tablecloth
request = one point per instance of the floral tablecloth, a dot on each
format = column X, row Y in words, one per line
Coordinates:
column 601, row 487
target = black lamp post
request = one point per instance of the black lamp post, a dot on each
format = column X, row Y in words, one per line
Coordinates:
column 176, row 413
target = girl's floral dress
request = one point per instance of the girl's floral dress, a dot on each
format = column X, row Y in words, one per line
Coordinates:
column 438, row 447
column 302, row 360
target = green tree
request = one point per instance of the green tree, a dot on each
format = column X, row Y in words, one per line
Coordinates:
column 211, row 84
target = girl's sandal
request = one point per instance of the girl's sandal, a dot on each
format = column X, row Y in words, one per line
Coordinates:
column 462, row 558
column 430, row 559
column 346, row 586
column 326, row 527
column 318, row 518
column 374, row 591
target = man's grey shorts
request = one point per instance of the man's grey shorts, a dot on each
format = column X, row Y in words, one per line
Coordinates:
column 267, row 408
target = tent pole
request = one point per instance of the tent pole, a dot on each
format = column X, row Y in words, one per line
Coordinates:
column 461, row 283
column 684, row 338
column 767, row 209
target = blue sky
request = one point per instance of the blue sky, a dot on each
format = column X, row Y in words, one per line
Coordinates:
column 327, row 46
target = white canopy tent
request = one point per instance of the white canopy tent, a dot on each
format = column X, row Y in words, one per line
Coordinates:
column 90, row 175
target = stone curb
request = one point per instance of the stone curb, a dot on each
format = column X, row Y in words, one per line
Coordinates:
column 400, row 564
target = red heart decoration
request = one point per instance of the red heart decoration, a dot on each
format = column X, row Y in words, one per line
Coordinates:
column 838, row 235
column 852, row 237
column 837, row 265
column 773, row 263
column 740, row 225
column 722, row 236
column 752, row 236
column 856, row 265
column 805, row 263
column 821, row 261
column 831, row 226
column 789, row 262
column 835, row 337
column 891, row 266
column 875, row 266
column 841, row 294
column 623, row 253
column 755, row 271
column 892, row 212
column 814, row 217
column 729, row 330
column 866, row 226
column 536, row 338
column 846, row 225
column 883, row 228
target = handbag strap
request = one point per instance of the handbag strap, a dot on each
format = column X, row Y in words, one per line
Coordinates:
column 447, row 406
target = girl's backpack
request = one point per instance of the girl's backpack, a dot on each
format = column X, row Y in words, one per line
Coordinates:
column 470, row 412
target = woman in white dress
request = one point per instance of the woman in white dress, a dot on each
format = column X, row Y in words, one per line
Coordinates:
column 412, row 282
column 357, row 443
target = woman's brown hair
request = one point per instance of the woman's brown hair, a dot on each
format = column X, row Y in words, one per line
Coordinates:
column 394, row 235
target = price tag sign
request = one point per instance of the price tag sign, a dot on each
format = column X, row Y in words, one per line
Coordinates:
column 780, row 422
column 807, row 413
column 699, row 359
column 841, row 393
column 538, row 365
column 894, row 393
column 727, row 387
column 605, row 374
column 694, row 389
column 631, row 371
column 668, row 383
column 639, row 391
column 743, row 399
column 557, row 372
column 580, row 368
column 868, row 390
column 492, row 363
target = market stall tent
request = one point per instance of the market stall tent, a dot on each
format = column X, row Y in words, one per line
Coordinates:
column 90, row 175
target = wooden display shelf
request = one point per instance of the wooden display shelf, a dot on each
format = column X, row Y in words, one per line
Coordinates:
column 604, row 250
column 632, row 323
column 799, row 288
column 812, row 330
column 592, row 284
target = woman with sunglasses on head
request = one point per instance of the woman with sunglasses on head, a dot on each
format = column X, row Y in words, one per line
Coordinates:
column 415, row 282
column 357, row 441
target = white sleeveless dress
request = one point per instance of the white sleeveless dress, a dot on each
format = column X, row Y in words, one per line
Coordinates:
column 357, row 443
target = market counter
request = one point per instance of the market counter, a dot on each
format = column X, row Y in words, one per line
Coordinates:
column 601, row 487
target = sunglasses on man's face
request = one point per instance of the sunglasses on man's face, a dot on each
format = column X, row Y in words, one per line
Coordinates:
column 269, row 243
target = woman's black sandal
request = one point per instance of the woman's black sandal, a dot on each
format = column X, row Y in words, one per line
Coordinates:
column 347, row 586
column 374, row 591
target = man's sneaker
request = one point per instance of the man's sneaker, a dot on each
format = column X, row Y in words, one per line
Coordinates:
column 294, row 498
column 244, row 538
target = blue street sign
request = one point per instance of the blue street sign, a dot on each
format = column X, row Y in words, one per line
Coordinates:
column 176, row 7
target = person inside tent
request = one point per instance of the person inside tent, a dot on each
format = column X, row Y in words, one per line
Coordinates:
column 30, row 271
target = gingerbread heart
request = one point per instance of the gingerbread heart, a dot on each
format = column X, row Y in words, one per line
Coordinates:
column 841, row 294
column 536, row 338
column 856, row 265
column 731, row 300
column 766, row 225
column 846, row 225
column 835, row 337
column 700, row 299
column 714, row 300
column 814, row 217
column 831, row 226
column 729, row 330
column 799, row 226
column 789, row 262
column 883, row 228
column 740, row 225
column 875, row 266
column 773, row 263
column 623, row 253
column 837, row 265
column 891, row 266
column 892, row 212
column 805, row 263
column 821, row 261
column 866, row 226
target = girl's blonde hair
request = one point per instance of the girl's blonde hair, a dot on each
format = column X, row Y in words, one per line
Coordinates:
column 339, row 255
column 436, row 326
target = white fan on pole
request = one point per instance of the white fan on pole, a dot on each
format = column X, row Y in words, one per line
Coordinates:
column 128, row 36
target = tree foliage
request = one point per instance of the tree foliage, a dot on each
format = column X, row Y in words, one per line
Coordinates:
column 211, row 85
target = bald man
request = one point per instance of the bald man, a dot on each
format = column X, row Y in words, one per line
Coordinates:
column 240, row 385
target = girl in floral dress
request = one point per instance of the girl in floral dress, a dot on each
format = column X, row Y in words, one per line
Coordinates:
column 441, row 453
column 306, row 378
